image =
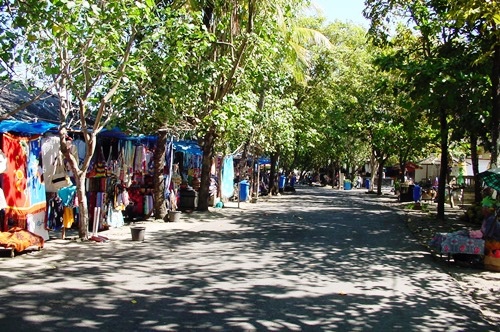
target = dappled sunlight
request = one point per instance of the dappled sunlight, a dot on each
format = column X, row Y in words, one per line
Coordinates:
column 326, row 261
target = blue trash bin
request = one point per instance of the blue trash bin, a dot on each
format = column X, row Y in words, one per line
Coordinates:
column 281, row 183
column 347, row 185
column 244, row 190
column 367, row 183
column 416, row 193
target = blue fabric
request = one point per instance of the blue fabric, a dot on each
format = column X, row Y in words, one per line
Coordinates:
column 34, row 128
column 190, row 147
column 36, row 186
column 227, row 181
column 67, row 195
column 457, row 243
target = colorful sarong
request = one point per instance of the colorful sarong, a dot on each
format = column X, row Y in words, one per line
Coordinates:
column 20, row 239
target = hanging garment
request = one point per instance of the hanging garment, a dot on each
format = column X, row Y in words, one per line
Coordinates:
column 67, row 196
column 227, row 181
column 55, row 213
column 114, row 217
column 15, row 180
column 36, row 184
column 140, row 159
column 148, row 204
column 68, row 217
column 81, row 149
column 49, row 151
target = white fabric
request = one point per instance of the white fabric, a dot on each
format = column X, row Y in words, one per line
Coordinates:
column 3, row 162
column 36, row 224
column 50, row 150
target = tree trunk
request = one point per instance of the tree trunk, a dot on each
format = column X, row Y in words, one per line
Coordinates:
column 273, row 186
column 495, row 115
column 374, row 166
column 380, row 172
column 80, row 178
column 207, row 147
column 475, row 168
column 83, row 208
column 160, row 209
column 444, row 164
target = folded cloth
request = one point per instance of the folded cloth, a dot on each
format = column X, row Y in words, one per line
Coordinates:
column 20, row 239
column 476, row 234
column 457, row 243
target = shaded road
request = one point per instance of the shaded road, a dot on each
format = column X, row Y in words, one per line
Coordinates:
column 318, row 260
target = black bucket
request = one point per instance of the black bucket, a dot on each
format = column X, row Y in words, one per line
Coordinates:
column 138, row 233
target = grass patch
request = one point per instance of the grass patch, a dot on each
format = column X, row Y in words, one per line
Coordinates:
column 417, row 206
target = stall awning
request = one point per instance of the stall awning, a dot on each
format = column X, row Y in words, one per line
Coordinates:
column 190, row 147
column 28, row 128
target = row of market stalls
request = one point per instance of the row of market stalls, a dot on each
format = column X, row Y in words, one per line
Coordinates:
column 37, row 193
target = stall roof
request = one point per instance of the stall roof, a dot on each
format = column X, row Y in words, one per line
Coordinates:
column 188, row 147
column 46, row 108
column 29, row 128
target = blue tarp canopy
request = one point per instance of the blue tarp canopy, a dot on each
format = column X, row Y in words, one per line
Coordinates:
column 190, row 147
column 186, row 146
column 264, row 161
column 29, row 128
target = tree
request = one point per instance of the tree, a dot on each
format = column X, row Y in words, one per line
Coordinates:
column 432, row 65
column 237, row 27
column 89, row 51
column 482, row 19
column 173, row 84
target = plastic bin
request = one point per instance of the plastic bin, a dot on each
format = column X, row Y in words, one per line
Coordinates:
column 281, row 183
column 367, row 183
column 244, row 190
column 347, row 185
column 417, row 193
column 188, row 200
column 406, row 193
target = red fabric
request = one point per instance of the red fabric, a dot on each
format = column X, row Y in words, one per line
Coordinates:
column 20, row 239
column 15, row 179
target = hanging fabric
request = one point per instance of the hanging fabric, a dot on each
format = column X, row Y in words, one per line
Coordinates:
column 15, row 181
column 227, row 181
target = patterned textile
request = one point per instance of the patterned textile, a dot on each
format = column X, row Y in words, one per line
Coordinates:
column 20, row 239
column 37, row 224
column 15, row 180
column 36, row 185
column 457, row 243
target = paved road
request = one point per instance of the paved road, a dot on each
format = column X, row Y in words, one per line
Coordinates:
column 317, row 260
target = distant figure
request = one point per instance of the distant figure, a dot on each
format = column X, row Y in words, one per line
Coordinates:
column 293, row 179
column 359, row 182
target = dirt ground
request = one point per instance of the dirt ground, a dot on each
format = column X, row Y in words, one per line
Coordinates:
column 482, row 285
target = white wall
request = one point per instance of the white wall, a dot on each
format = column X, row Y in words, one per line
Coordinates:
column 432, row 171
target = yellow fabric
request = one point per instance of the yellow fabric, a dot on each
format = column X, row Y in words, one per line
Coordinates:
column 68, row 217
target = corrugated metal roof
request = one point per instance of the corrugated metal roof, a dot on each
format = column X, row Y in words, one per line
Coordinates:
column 44, row 109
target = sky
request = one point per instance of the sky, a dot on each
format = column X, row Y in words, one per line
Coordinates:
column 343, row 10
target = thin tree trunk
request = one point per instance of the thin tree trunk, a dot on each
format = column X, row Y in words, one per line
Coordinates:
column 207, row 148
column 380, row 173
column 444, row 164
column 374, row 166
column 495, row 116
column 160, row 209
column 273, row 186
column 475, row 168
